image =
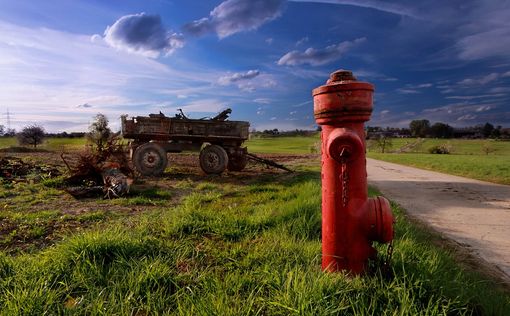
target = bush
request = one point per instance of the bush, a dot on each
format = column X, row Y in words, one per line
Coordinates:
column 315, row 148
column 443, row 149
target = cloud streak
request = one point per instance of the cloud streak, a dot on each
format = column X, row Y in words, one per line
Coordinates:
column 228, row 79
column 486, row 32
column 234, row 16
column 393, row 8
column 317, row 57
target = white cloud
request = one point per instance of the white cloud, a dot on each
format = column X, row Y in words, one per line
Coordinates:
column 485, row 44
column 262, row 100
column 500, row 90
column 483, row 108
column 466, row 117
column 372, row 75
column 472, row 97
column 485, row 32
column 249, row 81
column 234, row 16
column 317, row 57
column 480, row 81
column 394, row 8
column 407, row 91
column 143, row 34
column 302, row 41
column 238, row 76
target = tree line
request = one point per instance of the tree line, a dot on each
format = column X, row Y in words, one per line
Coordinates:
column 424, row 129
column 34, row 134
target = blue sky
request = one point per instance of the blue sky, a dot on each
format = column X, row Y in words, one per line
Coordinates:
column 61, row 62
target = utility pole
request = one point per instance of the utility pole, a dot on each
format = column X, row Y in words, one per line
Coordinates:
column 8, row 119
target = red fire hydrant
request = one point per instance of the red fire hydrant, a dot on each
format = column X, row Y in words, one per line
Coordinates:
column 350, row 220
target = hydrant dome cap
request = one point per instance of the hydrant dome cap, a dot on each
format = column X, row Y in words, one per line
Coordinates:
column 341, row 75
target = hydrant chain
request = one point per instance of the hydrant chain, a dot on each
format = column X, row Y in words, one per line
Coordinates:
column 345, row 183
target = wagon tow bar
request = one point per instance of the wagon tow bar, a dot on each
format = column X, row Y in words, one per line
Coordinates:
column 267, row 162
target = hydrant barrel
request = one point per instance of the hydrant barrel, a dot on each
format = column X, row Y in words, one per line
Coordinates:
column 350, row 220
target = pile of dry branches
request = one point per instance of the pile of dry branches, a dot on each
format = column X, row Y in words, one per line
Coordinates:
column 104, row 169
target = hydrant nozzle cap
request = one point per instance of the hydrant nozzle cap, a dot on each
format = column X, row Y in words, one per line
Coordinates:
column 341, row 75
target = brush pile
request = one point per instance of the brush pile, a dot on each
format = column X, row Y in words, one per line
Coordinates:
column 100, row 170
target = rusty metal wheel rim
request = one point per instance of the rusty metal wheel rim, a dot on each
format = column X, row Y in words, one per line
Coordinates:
column 151, row 159
column 212, row 160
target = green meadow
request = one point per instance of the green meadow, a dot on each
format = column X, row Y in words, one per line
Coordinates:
column 225, row 249
column 52, row 143
column 217, row 245
column 284, row 145
column 467, row 157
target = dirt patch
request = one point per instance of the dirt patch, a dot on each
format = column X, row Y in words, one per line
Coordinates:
column 17, row 169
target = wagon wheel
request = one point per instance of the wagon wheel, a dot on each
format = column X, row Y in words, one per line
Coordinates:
column 237, row 162
column 150, row 159
column 213, row 159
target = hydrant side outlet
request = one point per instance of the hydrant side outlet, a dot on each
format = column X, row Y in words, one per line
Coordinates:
column 350, row 220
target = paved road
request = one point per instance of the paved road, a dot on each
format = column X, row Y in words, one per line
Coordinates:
column 473, row 213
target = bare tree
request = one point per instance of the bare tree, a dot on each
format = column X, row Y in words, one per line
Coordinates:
column 31, row 135
column 383, row 142
column 488, row 148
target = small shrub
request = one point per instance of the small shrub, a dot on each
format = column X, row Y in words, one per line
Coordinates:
column 439, row 149
column 315, row 148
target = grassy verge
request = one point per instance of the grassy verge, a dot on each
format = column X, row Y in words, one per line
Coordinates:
column 493, row 168
column 53, row 144
column 232, row 249
column 284, row 145
column 457, row 146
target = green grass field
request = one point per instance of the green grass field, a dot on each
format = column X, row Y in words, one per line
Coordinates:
column 458, row 146
column 230, row 249
column 466, row 159
column 53, row 144
column 284, row 145
column 280, row 145
column 227, row 245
